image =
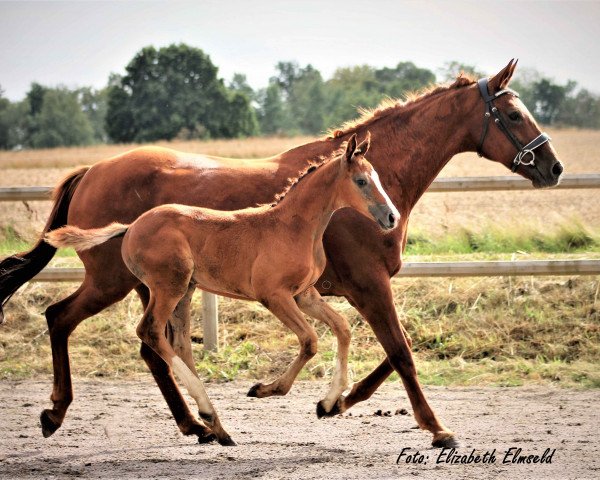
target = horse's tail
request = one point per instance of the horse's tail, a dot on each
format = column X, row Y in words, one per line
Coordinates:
column 81, row 239
column 22, row 267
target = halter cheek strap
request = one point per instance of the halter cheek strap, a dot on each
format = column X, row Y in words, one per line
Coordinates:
column 523, row 152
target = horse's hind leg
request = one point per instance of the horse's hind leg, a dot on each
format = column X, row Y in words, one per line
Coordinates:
column 63, row 317
column 284, row 307
column 163, row 375
column 152, row 332
column 312, row 304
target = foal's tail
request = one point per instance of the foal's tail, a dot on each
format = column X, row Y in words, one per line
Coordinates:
column 81, row 239
column 22, row 267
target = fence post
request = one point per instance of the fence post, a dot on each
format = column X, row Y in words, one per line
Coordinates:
column 210, row 321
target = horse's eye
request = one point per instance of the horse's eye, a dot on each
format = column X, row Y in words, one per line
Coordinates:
column 361, row 182
column 514, row 116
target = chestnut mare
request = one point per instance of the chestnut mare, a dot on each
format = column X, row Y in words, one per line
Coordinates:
column 273, row 254
column 415, row 139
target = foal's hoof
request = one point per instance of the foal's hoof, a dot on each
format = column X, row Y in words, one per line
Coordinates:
column 227, row 442
column 253, row 392
column 444, row 440
column 335, row 410
column 49, row 426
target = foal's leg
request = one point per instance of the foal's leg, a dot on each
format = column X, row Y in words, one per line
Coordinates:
column 178, row 330
column 163, row 375
column 283, row 306
column 152, row 332
column 364, row 389
column 311, row 303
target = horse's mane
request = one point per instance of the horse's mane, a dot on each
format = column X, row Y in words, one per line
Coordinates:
column 311, row 167
column 389, row 105
column 367, row 115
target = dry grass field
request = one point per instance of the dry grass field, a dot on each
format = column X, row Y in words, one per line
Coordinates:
column 465, row 331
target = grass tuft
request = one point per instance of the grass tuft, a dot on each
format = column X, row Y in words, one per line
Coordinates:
column 493, row 331
column 569, row 237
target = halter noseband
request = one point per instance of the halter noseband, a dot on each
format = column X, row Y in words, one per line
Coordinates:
column 491, row 110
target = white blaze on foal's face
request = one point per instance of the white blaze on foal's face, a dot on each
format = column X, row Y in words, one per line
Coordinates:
column 377, row 183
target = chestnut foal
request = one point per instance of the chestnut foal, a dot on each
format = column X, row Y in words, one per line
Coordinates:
column 272, row 253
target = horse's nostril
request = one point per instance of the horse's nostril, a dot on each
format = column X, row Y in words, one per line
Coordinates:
column 391, row 218
column 557, row 169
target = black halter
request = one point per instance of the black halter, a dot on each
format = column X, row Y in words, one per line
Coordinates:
column 490, row 109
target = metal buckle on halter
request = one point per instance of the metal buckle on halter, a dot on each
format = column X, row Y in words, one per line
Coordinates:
column 529, row 149
column 519, row 158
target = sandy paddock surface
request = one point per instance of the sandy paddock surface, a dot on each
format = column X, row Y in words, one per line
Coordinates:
column 122, row 429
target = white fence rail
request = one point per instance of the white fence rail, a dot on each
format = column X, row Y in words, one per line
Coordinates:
column 409, row 269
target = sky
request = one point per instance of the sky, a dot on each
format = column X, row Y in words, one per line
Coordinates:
column 81, row 43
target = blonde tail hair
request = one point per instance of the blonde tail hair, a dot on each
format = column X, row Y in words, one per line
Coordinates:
column 81, row 239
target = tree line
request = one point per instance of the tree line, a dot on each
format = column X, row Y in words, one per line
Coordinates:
column 174, row 92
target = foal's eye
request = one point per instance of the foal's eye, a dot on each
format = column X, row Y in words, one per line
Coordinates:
column 361, row 182
column 514, row 116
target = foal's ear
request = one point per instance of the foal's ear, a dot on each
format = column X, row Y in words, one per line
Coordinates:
column 350, row 149
column 501, row 80
column 364, row 146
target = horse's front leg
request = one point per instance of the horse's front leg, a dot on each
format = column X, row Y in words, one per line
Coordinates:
column 374, row 300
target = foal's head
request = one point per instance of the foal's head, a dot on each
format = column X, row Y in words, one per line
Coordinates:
column 360, row 188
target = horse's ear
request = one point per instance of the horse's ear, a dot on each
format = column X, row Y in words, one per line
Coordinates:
column 364, row 146
column 350, row 149
column 501, row 80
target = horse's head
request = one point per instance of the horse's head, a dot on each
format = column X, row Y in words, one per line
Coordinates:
column 360, row 187
column 510, row 135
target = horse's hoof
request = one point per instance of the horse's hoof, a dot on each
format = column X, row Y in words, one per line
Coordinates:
column 207, row 438
column 335, row 410
column 49, row 426
column 253, row 392
column 444, row 440
column 227, row 442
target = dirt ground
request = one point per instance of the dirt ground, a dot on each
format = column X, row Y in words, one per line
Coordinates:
column 122, row 429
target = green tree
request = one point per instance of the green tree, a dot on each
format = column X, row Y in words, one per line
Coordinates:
column 239, row 83
column 549, row 98
column 35, row 98
column 94, row 104
column 271, row 110
column 405, row 77
column 303, row 93
column 59, row 122
column 4, row 121
column 580, row 110
column 119, row 123
column 453, row 69
column 167, row 91
column 348, row 89
column 240, row 118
